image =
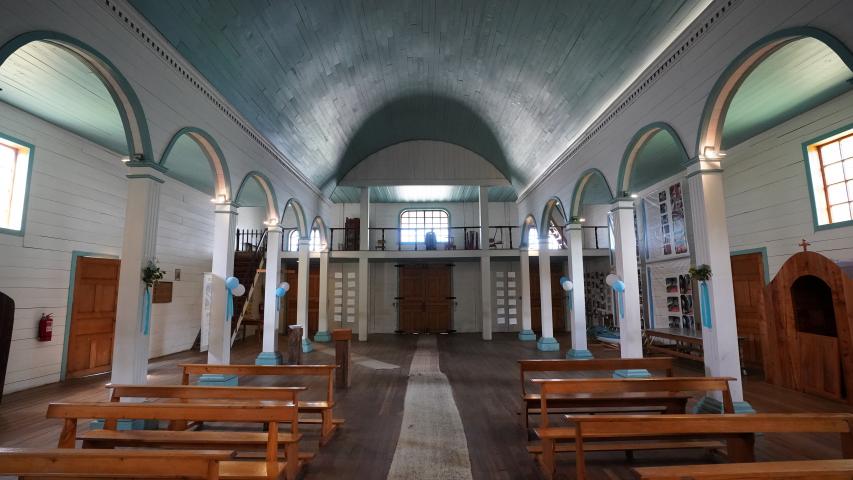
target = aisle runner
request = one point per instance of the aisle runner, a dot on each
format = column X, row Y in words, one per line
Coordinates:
column 432, row 440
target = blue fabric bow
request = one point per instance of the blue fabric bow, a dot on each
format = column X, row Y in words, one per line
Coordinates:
column 146, row 311
column 705, row 305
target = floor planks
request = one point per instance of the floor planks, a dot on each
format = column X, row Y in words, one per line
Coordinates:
column 484, row 379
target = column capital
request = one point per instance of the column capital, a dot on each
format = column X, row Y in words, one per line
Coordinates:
column 274, row 229
column 304, row 242
column 703, row 165
column 622, row 203
column 145, row 170
column 574, row 226
column 226, row 208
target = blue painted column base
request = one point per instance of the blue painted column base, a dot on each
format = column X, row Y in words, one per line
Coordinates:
column 323, row 337
column 710, row 404
column 526, row 336
column 269, row 358
column 548, row 344
column 579, row 354
column 217, row 380
column 128, row 425
column 306, row 346
column 632, row 373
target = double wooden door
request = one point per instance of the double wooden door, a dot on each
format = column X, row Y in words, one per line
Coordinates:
column 93, row 316
column 748, row 280
column 425, row 297
column 291, row 274
column 558, row 296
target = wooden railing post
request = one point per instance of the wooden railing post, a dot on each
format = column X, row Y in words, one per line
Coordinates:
column 343, row 340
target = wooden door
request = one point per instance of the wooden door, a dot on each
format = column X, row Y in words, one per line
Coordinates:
column 425, row 298
column 748, row 279
column 93, row 316
column 292, row 276
column 558, row 297
column 7, row 320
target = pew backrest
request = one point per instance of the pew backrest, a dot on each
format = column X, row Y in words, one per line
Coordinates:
column 198, row 392
column 592, row 365
column 63, row 462
column 327, row 371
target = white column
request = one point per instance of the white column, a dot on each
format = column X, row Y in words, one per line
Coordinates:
column 323, row 334
column 526, row 333
column 484, row 217
column 363, row 297
column 711, row 247
column 364, row 220
column 630, row 328
column 303, row 278
column 130, row 348
column 546, row 343
column 270, row 354
column 219, row 351
column 486, row 294
column 577, row 315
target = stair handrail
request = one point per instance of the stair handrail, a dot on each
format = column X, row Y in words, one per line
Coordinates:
column 259, row 257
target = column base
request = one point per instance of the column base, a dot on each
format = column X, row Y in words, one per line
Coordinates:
column 632, row 373
column 526, row 336
column 322, row 337
column 579, row 354
column 306, row 346
column 217, row 380
column 710, row 404
column 269, row 358
column 548, row 344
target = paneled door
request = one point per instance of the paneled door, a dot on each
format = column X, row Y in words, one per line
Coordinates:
column 748, row 279
column 558, row 296
column 93, row 316
column 292, row 277
column 425, row 298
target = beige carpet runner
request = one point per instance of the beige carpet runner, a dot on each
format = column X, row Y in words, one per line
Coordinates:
column 432, row 441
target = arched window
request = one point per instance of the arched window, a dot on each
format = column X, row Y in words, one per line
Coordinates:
column 414, row 225
column 293, row 241
column 533, row 239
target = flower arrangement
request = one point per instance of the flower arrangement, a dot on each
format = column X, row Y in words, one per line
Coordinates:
column 152, row 274
column 701, row 273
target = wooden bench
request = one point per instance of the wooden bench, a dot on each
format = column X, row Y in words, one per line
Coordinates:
column 736, row 430
column 328, row 424
column 268, row 414
column 788, row 470
column 63, row 463
column 587, row 404
column 631, row 391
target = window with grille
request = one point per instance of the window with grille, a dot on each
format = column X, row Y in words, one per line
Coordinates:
column 14, row 179
column 293, row 241
column 831, row 175
column 414, row 225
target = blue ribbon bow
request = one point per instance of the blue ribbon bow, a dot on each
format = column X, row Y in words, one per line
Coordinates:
column 229, row 305
column 705, row 305
column 146, row 311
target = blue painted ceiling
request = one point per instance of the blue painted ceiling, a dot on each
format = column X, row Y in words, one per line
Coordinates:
column 331, row 82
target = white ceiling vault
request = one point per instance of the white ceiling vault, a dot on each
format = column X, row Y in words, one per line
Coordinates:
column 331, row 82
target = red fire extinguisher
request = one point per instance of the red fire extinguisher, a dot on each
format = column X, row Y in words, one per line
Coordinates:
column 46, row 327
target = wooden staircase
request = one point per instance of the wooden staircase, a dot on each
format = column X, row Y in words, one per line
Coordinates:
column 248, row 266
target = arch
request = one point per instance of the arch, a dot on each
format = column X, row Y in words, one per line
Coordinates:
column 554, row 204
column 635, row 146
column 128, row 104
column 320, row 225
column 301, row 224
column 718, row 101
column 528, row 223
column 581, row 188
column 266, row 185
column 214, row 155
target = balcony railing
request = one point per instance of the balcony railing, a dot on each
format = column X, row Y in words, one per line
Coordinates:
column 501, row 237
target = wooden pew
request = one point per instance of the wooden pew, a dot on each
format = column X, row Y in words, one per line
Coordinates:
column 268, row 414
column 629, row 388
column 737, row 430
column 328, row 424
column 587, row 404
column 65, row 463
column 789, row 470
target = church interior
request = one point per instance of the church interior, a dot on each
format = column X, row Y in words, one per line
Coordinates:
column 426, row 239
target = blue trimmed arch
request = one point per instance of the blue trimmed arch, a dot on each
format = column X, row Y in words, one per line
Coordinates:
column 266, row 185
column 527, row 224
column 638, row 141
column 553, row 204
column 214, row 155
column 580, row 188
column 301, row 224
column 320, row 225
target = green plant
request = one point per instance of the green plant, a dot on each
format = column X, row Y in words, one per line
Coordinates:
column 701, row 273
column 152, row 274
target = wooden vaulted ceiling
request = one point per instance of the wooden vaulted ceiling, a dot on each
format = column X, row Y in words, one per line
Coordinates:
column 330, row 82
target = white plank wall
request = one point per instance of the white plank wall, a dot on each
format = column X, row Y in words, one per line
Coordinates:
column 76, row 203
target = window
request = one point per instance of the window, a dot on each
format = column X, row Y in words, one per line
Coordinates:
column 414, row 225
column 533, row 239
column 14, row 177
column 293, row 241
column 830, row 163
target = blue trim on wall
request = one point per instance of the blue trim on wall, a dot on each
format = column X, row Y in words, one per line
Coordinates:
column 763, row 252
column 75, row 254
column 810, row 183
column 30, row 168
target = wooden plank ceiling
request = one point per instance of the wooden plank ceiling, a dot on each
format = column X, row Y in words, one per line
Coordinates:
column 330, row 82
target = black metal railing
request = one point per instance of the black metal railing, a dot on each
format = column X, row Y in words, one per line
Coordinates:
column 249, row 240
column 501, row 237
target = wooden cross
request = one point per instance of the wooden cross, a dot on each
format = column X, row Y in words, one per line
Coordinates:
column 805, row 245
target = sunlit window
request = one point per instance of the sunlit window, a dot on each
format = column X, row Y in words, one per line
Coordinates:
column 533, row 239
column 14, row 174
column 414, row 225
column 831, row 172
column 293, row 241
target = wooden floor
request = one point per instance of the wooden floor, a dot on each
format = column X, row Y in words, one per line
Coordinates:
column 484, row 378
